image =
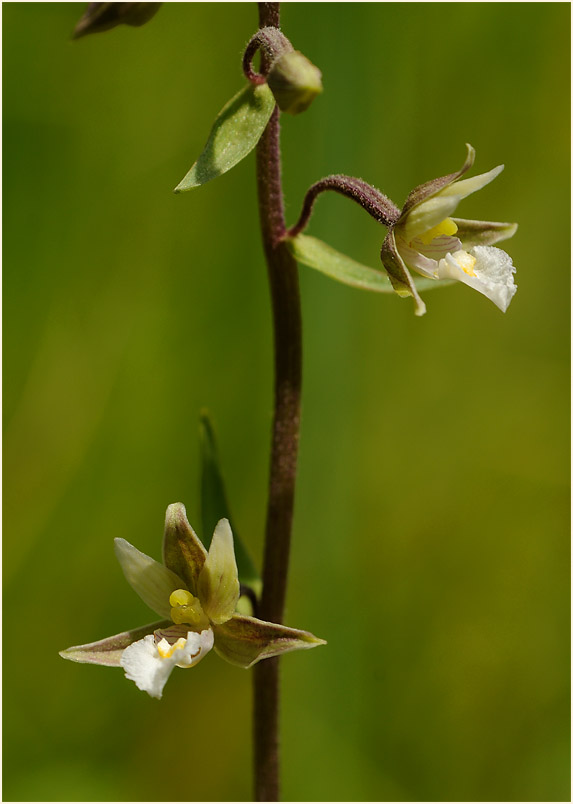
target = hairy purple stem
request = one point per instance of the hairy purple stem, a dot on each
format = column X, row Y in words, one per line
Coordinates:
column 283, row 280
column 271, row 42
column 372, row 200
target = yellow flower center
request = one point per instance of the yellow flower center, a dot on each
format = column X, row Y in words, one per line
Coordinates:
column 185, row 608
column 465, row 261
column 447, row 227
column 166, row 650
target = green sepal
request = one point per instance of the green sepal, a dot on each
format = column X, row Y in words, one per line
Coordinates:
column 108, row 651
column 236, row 131
column 244, row 641
column 153, row 582
column 483, row 233
column 314, row 253
column 215, row 506
column 218, row 584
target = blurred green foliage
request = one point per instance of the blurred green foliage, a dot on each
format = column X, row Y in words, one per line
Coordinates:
column 431, row 541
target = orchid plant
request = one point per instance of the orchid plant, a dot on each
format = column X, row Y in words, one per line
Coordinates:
column 207, row 598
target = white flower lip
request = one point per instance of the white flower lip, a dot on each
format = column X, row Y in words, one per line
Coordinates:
column 493, row 274
column 144, row 664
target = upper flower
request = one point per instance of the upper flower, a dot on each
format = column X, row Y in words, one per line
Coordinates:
column 426, row 239
column 197, row 593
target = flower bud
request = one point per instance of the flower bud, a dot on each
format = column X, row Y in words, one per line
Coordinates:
column 294, row 81
column 103, row 16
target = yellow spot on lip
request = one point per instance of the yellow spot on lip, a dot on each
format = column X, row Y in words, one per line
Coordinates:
column 166, row 650
column 465, row 261
column 447, row 227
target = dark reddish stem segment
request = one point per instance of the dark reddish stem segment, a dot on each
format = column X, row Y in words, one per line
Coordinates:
column 272, row 44
column 253, row 76
column 283, row 280
column 372, row 200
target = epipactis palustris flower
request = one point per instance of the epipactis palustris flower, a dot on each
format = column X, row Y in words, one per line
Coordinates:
column 426, row 239
column 196, row 592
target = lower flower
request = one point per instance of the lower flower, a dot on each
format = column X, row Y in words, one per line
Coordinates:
column 197, row 593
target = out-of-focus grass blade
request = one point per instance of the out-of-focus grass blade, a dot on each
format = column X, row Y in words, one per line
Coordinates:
column 236, row 131
column 215, row 506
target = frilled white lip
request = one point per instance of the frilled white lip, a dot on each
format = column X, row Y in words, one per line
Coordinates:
column 149, row 661
column 492, row 274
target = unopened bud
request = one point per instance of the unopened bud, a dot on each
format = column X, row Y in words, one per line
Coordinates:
column 103, row 16
column 294, row 81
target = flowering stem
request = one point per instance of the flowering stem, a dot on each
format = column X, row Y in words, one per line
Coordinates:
column 283, row 280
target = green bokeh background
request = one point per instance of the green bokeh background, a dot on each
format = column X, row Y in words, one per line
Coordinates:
column 431, row 544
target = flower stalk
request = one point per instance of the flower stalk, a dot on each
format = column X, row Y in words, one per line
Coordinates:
column 372, row 200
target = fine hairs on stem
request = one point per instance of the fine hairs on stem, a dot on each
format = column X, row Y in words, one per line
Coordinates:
column 285, row 299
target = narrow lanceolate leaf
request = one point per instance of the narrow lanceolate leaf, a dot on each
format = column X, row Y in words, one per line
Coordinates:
column 244, row 641
column 236, row 131
column 215, row 506
column 316, row 254
column 108, row 651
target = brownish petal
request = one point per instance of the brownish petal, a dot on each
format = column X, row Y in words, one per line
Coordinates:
column 425, row 191
column 244, row 641
column 108, row 651
column 400, row 277
column 183, row 553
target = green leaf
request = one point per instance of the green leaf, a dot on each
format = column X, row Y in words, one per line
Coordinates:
column 214, row 505
column 316, row 254
column 236, row 131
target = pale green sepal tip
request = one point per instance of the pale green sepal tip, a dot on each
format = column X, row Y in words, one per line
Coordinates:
column 218, row 584
column 153, row 582
column 236, row 131
column 464, row 187
column 314, row 253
